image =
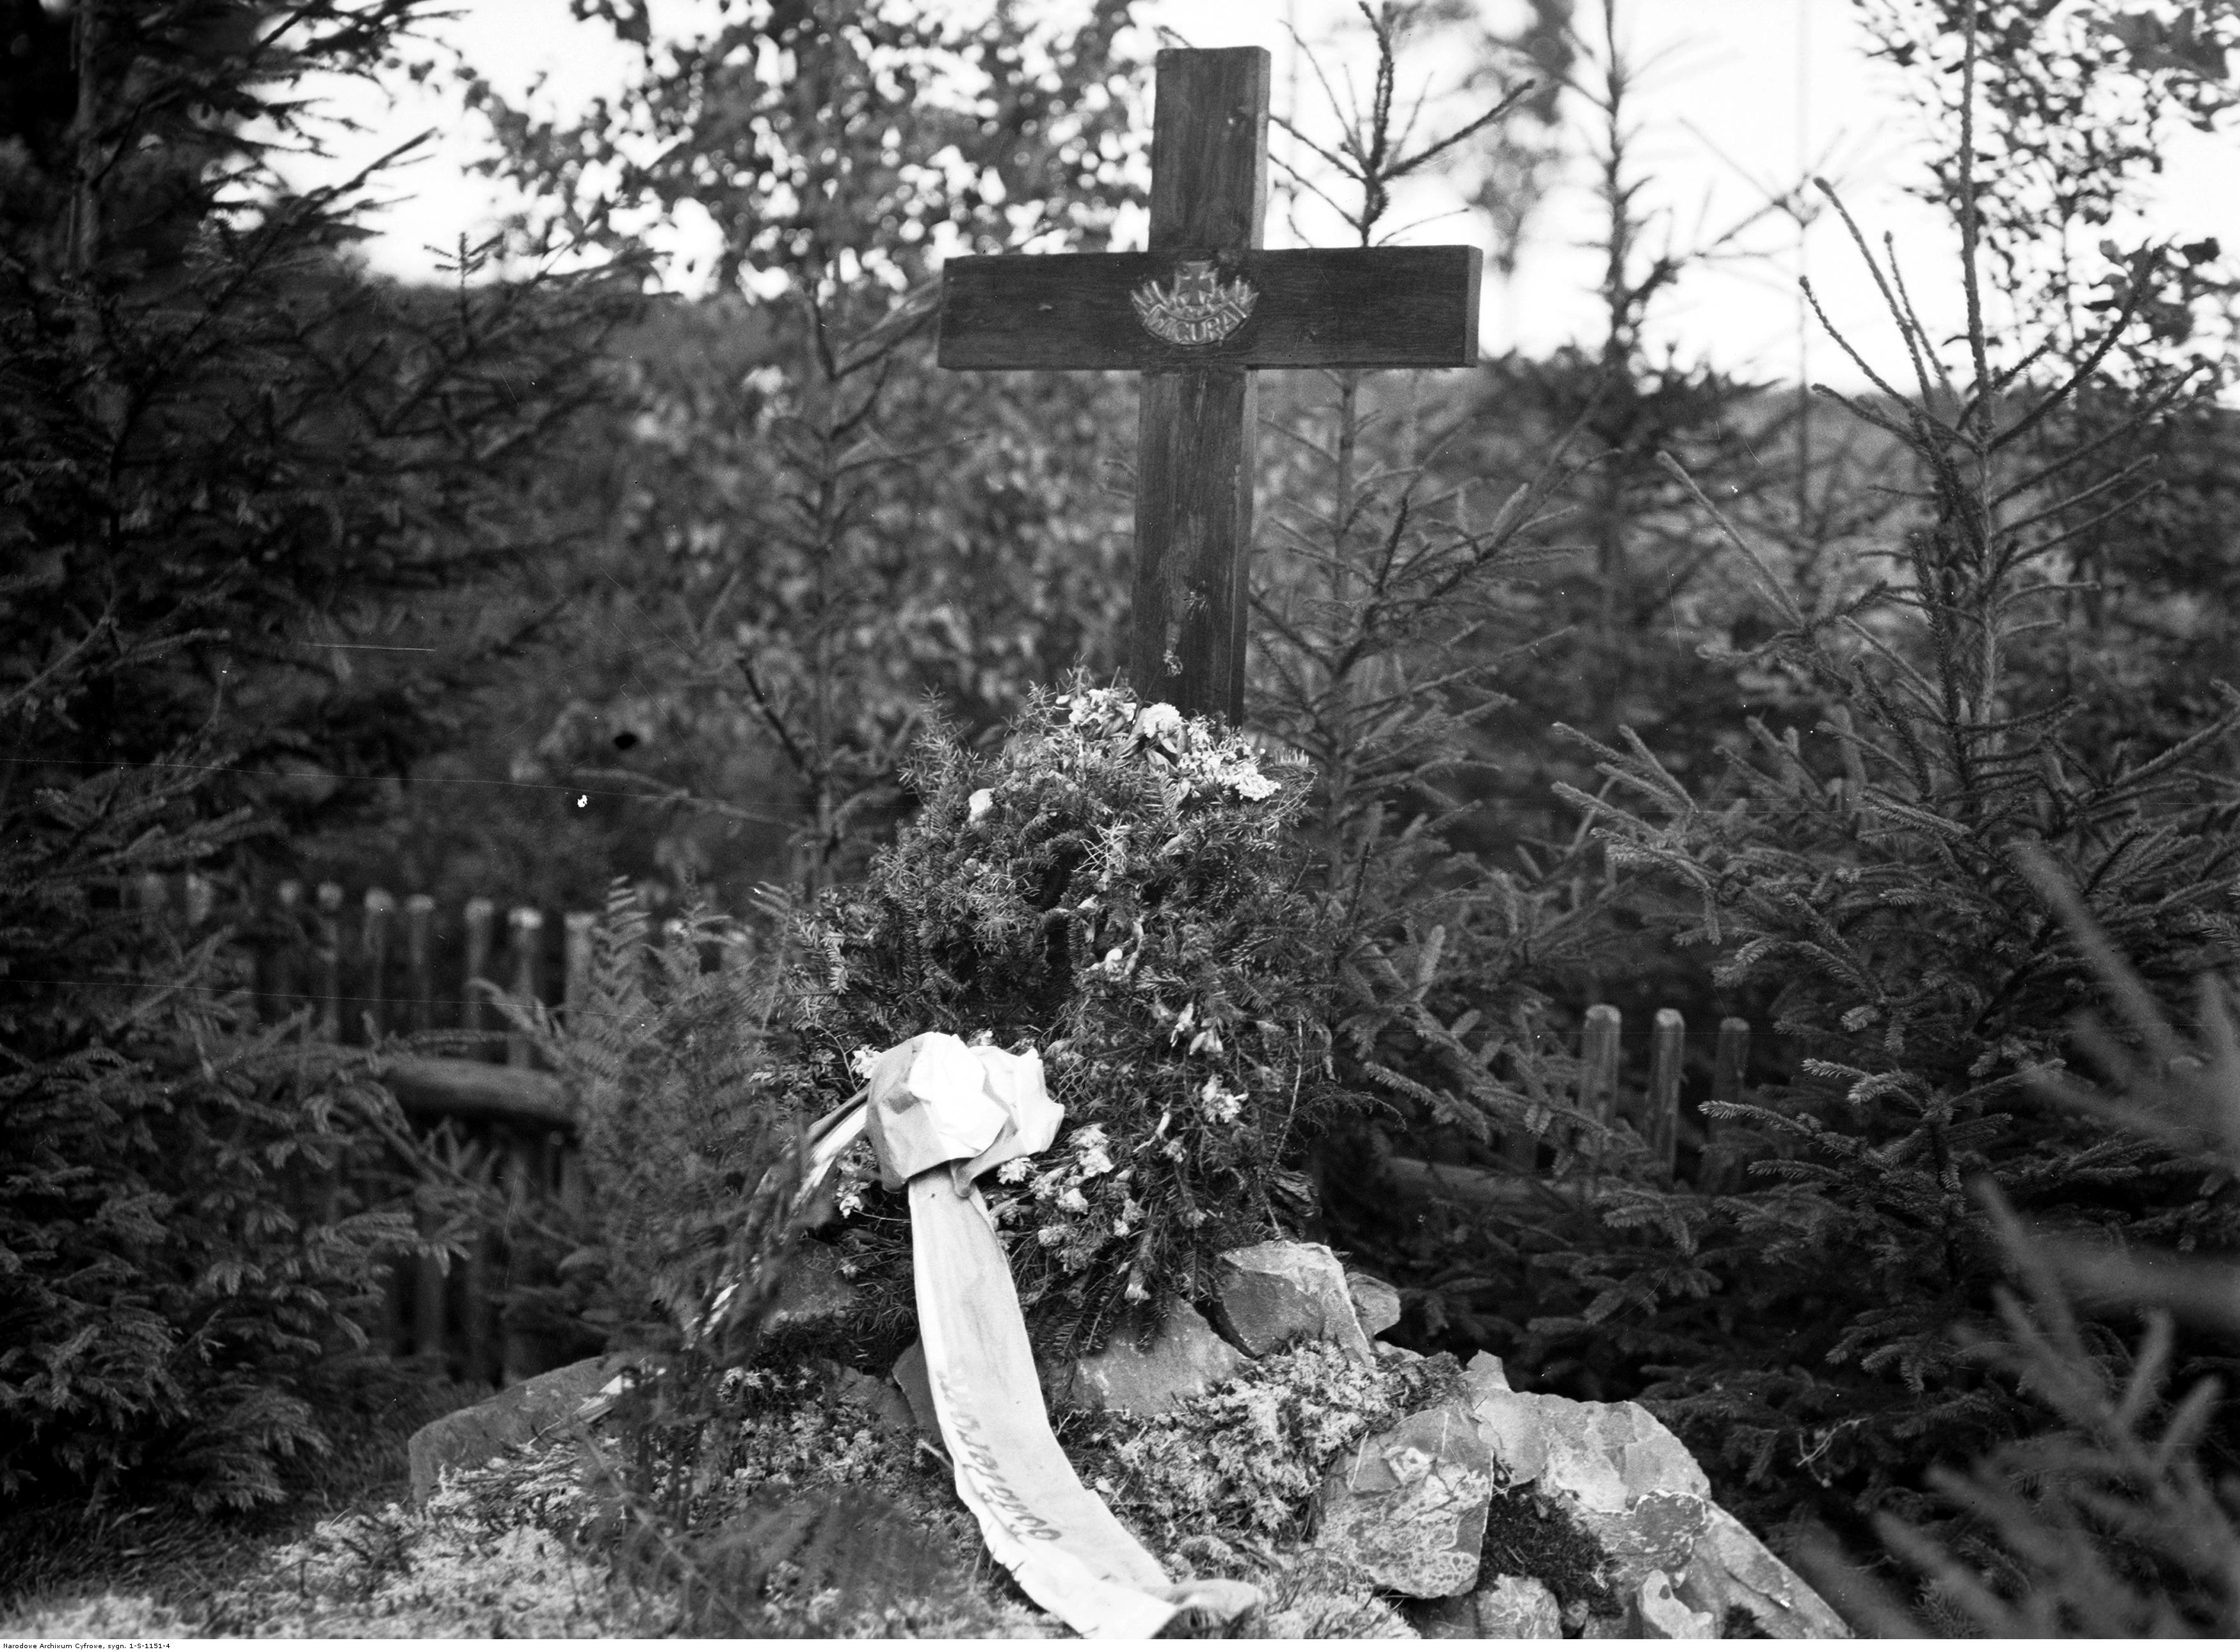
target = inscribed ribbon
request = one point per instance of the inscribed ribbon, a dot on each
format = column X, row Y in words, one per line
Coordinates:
column 939, row 1112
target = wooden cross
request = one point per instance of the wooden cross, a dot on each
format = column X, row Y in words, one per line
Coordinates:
column 1195, row 315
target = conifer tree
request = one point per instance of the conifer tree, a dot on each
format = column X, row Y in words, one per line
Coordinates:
column 1372, row 606
column 2117, row 1517
column 1868, row 876
column 215, row 433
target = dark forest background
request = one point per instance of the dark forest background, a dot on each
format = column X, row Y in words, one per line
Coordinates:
column 1898, row 725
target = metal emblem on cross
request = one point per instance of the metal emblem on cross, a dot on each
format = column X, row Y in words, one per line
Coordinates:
column 1197, row 313
column 1198, row 308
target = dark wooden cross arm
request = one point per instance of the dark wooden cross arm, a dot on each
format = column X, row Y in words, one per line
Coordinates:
column 1197, row 313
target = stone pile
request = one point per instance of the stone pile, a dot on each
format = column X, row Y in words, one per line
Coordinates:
column 1494, row 1475
column 1490, row 1514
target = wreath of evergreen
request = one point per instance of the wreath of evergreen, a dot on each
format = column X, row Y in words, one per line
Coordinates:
column 1118, row 888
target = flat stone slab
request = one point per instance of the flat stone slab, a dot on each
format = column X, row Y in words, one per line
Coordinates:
column 1184, row 1359
column 918, row 1391
column 1407, row 1507
column 1376, row 1304
column 1267, row 1296
column 1732, row 1569
column 527, row 1411
column 1605, row 1455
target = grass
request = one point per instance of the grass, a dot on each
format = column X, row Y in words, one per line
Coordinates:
column 55, row 1554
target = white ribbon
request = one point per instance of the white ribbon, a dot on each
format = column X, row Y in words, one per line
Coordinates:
column 939, row 1112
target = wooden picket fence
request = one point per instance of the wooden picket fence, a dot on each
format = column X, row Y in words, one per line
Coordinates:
column 376, row 966
column 1655, row 1110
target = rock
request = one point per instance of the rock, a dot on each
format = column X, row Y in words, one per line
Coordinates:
column 1663, row 1616
column 1653, row 1533
column 1621, row 1473
column 1376, row 1304
column 527, row 1411
column 812, row 1294
column 1509, row 1608
column 1518, row 1608
column 883, row 1402
column 1267, row 1296
column 1613, row 1466
column 1605, row 1455
column 1509, row 1423
column 1731, row 1569
column 1184, row 1359
column 1407, row 1507
column 1629, row 1482
column 917, row 1393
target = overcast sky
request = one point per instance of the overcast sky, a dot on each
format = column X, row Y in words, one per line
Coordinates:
column 1743, row 96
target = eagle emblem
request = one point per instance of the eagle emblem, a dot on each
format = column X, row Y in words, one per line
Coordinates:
column 1199, row 308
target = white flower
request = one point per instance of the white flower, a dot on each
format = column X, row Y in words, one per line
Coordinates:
column 864, row 1060
column 1011, row 1170
column 1251, row 785
column 1073, row 1200
column 1222, row 1106
column 1158, row 722
column 1092, row 1151
column 979, row 806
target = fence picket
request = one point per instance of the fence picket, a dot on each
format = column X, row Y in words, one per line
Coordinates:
column 480, row 910
column 282, row 978
column 1518, row 1188
column 1668, row 1045
column 525, row 929
column 576, row 983
column 1598, row 1051
column 428, row 1318
column 373, row 954
column 327, row 956
column 1721, row 1168
column 419, row 979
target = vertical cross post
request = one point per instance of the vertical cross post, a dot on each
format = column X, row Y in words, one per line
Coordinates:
column 1194, row 443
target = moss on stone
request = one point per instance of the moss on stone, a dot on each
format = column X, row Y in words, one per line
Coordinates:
column 1530, row 1536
